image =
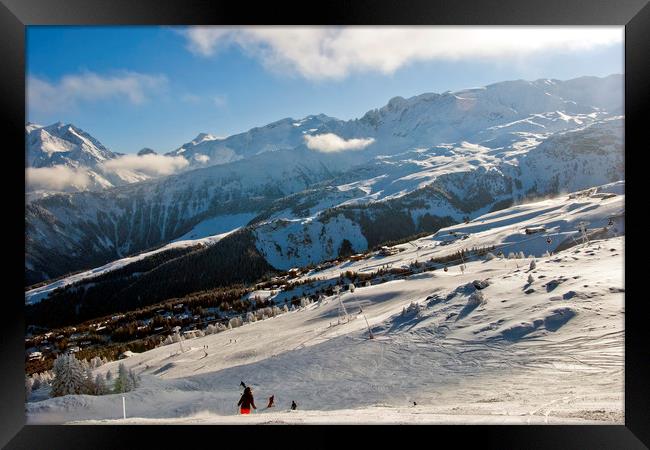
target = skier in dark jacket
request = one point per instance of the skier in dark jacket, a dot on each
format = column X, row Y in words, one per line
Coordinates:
column 246, row 401
column 293, row 405
column 271, row 404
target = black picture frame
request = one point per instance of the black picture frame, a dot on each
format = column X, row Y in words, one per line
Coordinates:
column 15, row 15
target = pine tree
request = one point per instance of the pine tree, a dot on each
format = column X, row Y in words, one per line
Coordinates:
column 89, row 383
column 530, row 279
column 109, row 376
column 100, row 385
column 123, row 382
column 28, row 386
column 135, row 380
column 533, row 265
column 36, row 381
column 69, row 376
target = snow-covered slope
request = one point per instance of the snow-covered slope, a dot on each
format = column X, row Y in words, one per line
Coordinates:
column 477, row 115
column 284, row 134
column 435, row 159
column 426, row 189
column 548, row 350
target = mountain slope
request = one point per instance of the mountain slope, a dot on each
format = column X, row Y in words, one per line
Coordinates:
column 505, row 133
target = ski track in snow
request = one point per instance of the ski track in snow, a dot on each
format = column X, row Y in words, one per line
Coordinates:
column 508, row 360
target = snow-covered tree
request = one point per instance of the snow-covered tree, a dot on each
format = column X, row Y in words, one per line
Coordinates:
column 100, row 385
column 36, row 381
column 532, row 265
column 124, row 381
column 285, row 308
column 521, row 255
column 96, row 362
column 250, row 317
column 512, row 255
column 28, row 386
column 275, row 311
column 135, row 380
column 546, row 254
column 235, row 322
column 109, row 376
column 489, row 256
column 69, row 376
column 168, row 340
column 530, row 279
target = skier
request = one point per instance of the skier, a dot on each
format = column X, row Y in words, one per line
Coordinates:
column 246, row 401
column 293, row 405
column 271, row 404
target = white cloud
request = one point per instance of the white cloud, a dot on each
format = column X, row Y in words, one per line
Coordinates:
column 154, row 165
column 335, row 52
column 202, row 158
column 70, row 90
column 330, row 142
column 56, row 178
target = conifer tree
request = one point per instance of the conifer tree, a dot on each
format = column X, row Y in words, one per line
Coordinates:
column 69, row 376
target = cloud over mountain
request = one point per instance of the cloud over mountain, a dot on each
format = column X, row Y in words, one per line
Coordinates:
column 330, row 143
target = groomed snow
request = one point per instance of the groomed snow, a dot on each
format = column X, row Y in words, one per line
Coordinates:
column 553, row 355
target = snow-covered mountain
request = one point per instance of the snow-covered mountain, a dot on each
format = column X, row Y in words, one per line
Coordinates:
column 536, row 338
column 283, row 134
column 435, row 159
column 63, row 144
column 477, row 115
column 62, row 157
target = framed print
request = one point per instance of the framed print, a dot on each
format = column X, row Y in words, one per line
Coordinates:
column 377, row 215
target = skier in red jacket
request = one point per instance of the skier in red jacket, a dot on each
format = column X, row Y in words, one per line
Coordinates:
column 246, row 401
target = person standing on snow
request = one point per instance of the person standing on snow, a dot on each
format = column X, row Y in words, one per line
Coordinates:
column 246, row 401
column 271, row 404
column 293, row 405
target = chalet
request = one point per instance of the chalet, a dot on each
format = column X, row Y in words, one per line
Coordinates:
column 533, row 230
column 387, row 251
column 35, row 356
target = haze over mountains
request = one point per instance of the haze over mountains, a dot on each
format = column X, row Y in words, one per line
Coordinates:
column 412, row 166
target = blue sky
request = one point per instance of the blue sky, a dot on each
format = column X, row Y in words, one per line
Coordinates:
column 158, row 87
